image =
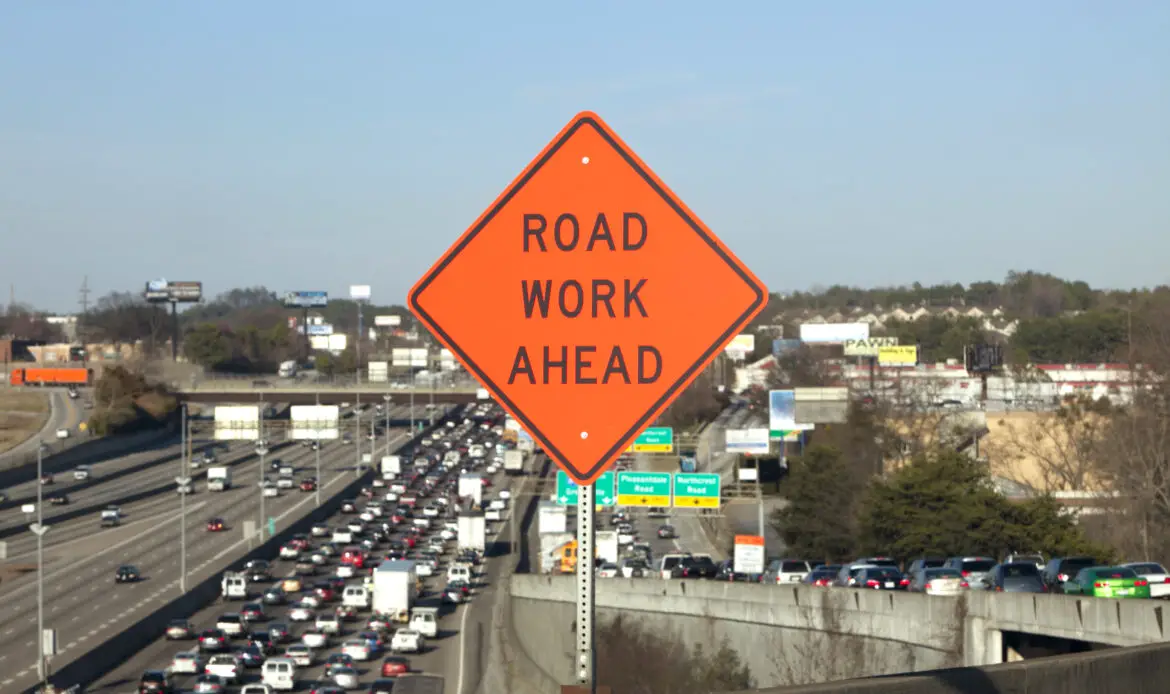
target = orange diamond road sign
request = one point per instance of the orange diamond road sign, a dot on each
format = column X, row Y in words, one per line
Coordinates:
column 586, row 298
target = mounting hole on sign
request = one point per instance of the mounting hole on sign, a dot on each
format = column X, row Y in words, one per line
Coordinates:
column 584, row 160
column 585, row 434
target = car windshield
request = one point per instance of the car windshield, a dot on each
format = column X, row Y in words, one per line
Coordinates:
column 1148, row 568
column 793, row 567
column 1075, row 564
column 1020, row 570
column 1115, row 572
column 978, row 564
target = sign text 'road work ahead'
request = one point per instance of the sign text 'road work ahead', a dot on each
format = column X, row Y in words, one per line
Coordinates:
column 586, row 298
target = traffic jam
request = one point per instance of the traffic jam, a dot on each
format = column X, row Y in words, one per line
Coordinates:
column 354, row 604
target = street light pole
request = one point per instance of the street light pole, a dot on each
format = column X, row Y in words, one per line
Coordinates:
column 412, row 411
column 386, row 397
column 183, row 480
column 317, row 487
column 39, row 529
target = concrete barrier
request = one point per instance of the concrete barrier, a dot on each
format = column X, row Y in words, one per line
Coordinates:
column 96, row 663
column 1133, row 670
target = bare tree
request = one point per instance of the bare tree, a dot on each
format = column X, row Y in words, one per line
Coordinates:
column 1054, row 451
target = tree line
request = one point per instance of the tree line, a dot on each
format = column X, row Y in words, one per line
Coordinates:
column 896, row 480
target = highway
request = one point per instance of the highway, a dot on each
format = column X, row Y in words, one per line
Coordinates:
column 64, row 413
column 103, row 490
column 445, row 657
column 80, row 562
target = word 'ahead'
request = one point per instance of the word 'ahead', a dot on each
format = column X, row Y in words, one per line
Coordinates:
column 586, row 298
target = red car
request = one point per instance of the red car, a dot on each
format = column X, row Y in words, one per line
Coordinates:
column 308, row 485
column 215, row 525
column 324, row 591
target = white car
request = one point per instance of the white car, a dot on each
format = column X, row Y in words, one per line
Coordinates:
column 301, row 613
column 342, row 536
column 498, row 504
column 62, row 433
column 449, row 534
column 256, row 689
column 425, row 567
column 319, row 558
column 328, row 624
column 626, row 537
column 315, row 639
column 284, row 483
column 311, row 600
column 271, row 491
column 392, row 496
column 289, row 552
column 187, row 663
column 300, row 654
column 230, row 624
column 367, row 516
column 224, row 666
column 378, row 483
column 346, row 678
column 357, row 649
column 607, row 571
column 424, row 523
column 345, row 571
column 406, row 641
column 505, row 494
column 492, row 469
column 81, row 473
column 356, row 528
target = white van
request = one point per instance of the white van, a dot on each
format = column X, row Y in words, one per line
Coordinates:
column 459, row 571
column 279, row 673
column 356, row 596
column 234, row 586
column 342, row 535
column 425, row 620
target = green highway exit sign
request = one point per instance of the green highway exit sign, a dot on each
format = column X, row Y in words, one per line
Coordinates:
column 654, row 440
column 643, row 488
column 696, row 490
column 603, row 490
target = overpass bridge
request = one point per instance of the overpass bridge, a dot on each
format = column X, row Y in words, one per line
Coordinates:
column 793, row 634
column 327, row 391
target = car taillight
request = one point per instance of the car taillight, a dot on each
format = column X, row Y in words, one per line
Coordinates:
column 1100, row 584
column 964, row 584
column 871, row 583
column 1141, row 582
column 1166, row 580
column 929, row 585
column 999, row 589
column 965, row 573
column 904, row 582
column 1062, row 577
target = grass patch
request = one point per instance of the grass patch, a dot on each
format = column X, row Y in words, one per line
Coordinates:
column 22, row 416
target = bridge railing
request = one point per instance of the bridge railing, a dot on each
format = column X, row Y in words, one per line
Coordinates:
column 218, row 381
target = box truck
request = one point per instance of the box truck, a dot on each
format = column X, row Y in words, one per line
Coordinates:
column 514, row 462
column 472, row 531
column 395, row 589
column 218, row 479
column 391, row 466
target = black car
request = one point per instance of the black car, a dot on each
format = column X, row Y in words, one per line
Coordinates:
column 1059, row 570
column 252, row 656
column 695, row 567
column 881, row 578
column 59, row 500
column 666, row 532
column 127, row 574
column 259, row 571
column 155, row 682
column 274, row 596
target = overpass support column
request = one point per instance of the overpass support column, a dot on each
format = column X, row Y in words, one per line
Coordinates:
column 983, row 644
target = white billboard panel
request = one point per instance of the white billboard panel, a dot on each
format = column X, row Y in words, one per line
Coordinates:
column 379, row 371
column 418, row 357
column 359, row 292
column 747, row 441
column 748, row 557
column 314, row 422
column 400, row 356
column 741, row 346
column 833, row 333
column 869, row 347
column 237, row 422
column 387, row 321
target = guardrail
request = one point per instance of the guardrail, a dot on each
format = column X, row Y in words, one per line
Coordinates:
column 216, row 381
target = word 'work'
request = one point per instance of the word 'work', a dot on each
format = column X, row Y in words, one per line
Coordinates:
column 600, row 299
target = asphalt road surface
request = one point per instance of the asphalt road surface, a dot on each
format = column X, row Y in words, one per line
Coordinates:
column 447, row 657
column 81, row 600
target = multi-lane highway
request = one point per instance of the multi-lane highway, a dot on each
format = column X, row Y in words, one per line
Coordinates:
column 64, row 413
column 448, row 658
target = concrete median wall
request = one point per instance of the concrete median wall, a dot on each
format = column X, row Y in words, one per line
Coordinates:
column 102, row 659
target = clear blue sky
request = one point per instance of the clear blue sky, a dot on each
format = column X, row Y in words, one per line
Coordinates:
column 311, row 145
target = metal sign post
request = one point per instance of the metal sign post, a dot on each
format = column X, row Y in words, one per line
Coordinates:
column 586, row 667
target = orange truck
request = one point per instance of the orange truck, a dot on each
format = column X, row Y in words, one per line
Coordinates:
column 50, row 376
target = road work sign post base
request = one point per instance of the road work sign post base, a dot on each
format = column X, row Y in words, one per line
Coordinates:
column 585, row 666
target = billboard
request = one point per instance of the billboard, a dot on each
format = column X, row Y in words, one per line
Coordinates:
column 400, row 356
column 306, row 299
column 782, row 423
column 379, row 371
column 741, row 346
column 359, row 292
column 782, row 347
column 162, row 291
column 418, row 357
column 237, row 422
column 868, row 347
column 982, row 358
column 318, row 329
column 314, row 422
column 903, row 355
column 747, row 441
column 387, row 321
column 833, row 333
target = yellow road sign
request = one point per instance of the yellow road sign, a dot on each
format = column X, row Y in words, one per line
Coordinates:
column 695, row 502
column 639, row 500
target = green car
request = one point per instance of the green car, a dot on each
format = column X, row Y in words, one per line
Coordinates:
column 1108, row 582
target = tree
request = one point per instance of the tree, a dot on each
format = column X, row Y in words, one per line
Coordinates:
column 943, row 504
column 22, row 322
column 938, row 337
column 700, row 402
column 125, row 318
column 124, row 402
column 819, row 521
